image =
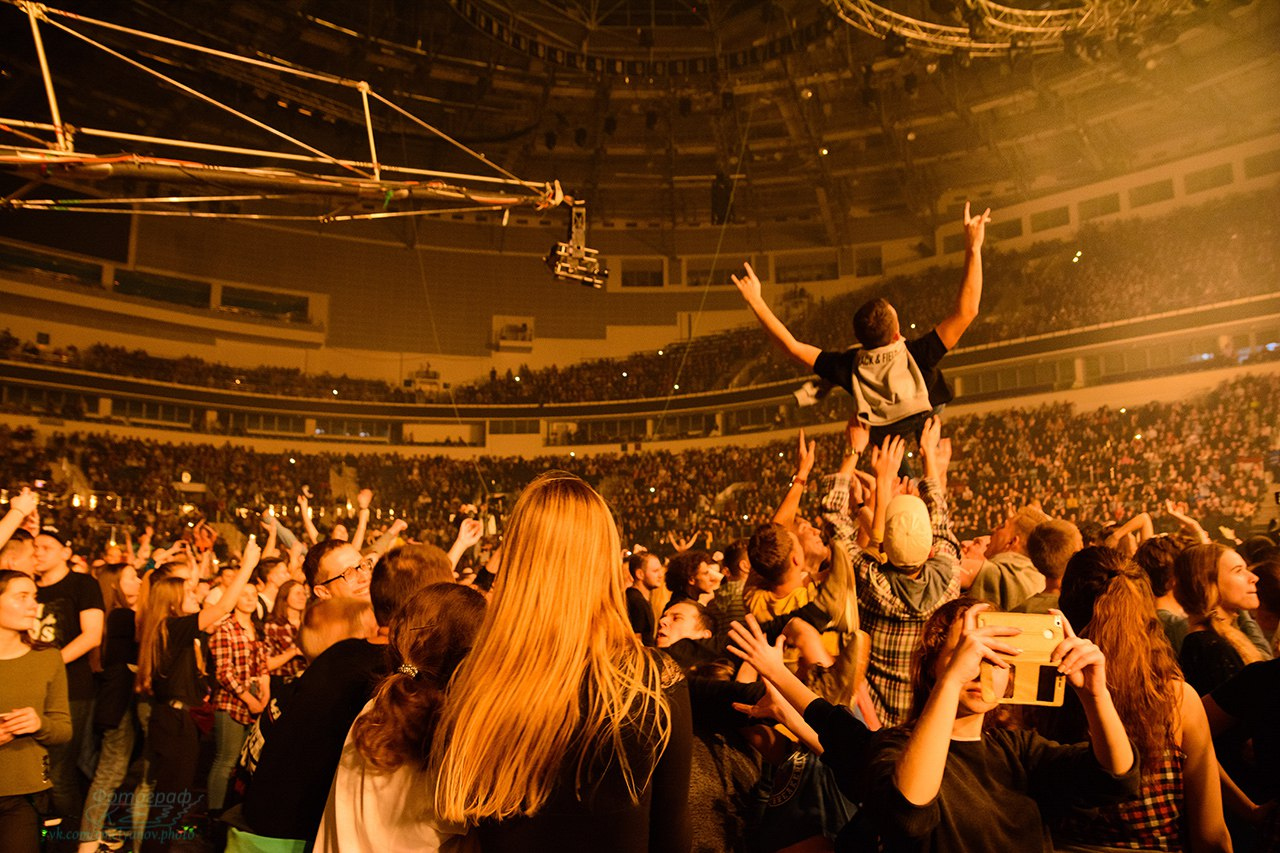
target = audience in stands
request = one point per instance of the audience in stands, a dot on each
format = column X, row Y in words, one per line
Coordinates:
column 637, row 748
column 1097, row 467
column 1106, row 273
column 352, row 685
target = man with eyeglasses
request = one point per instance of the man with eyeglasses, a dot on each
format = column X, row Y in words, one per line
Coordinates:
column 287, row 793
column 336, row 569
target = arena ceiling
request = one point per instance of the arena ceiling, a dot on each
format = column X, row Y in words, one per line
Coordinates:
column 810, row 109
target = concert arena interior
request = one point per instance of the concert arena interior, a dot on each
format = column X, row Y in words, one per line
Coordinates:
column 758, row 426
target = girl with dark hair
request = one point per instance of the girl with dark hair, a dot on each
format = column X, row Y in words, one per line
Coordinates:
column 947, row 781
column 1179, row 806
column 114, row 706
column 1215, row 587
column 280, row 633
column 381, row 799
column 171, row 672
column 34, row 713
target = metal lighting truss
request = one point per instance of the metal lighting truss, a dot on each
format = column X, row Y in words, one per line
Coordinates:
column 994, row 29
column 364, row 189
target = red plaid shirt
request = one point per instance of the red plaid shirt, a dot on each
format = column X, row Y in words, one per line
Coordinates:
column 238, row 659
column 1152, row 821
column 280, row 637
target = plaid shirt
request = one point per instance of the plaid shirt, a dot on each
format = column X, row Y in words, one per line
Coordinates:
column 238, row 659
column 1152, row 821
column 895, row 624
column 279, row 637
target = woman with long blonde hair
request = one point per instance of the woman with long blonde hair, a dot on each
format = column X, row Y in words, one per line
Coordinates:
column 1179, row 806
column 1215, row 587
column 171, row 672
column 559, row 730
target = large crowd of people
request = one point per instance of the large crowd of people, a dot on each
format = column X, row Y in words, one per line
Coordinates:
column 1042, row 629
column 642, row 653
column 1105, row 273
column 1099, row 466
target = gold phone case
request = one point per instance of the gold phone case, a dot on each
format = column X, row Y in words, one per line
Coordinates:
column 1033, row 680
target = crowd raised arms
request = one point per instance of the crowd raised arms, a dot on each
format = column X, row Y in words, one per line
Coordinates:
column 1031, row 630
column 1106, row 273
column 1097, row 468
column 508, row 693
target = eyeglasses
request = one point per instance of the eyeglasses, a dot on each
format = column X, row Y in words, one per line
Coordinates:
column 365, row 565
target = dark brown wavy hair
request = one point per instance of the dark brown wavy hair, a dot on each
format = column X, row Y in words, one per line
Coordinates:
column 280, row 610
column 1107, row 598
column 8, row 576
column 932, row 640
column 431, row 633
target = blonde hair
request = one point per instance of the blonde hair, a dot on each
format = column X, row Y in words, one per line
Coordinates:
column 1196, row 589
column 164, row 600
column 556, row 674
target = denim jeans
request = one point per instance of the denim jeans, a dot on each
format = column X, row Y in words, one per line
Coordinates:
column 142, row 796
column 113, row 763
column 64, row 759
column 228, row 737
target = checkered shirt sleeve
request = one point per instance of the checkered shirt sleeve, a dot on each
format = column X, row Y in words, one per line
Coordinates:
column 835, row 509
column 238, row 659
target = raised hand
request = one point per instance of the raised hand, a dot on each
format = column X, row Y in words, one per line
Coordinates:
column 858, row 435
column 867, row 483
column 251, row 554
column 978, row 645
column 748, row 285
column 943, row 455
column 749, row 643
column 1080, row 660
column 805, row 455
column 364, row 498
column 204, row 536
column 930, row 435
column 470, row 531
column 24, row 502
column 887, row 462
column 682, row 545
column 975, row 227
column 770, row 707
